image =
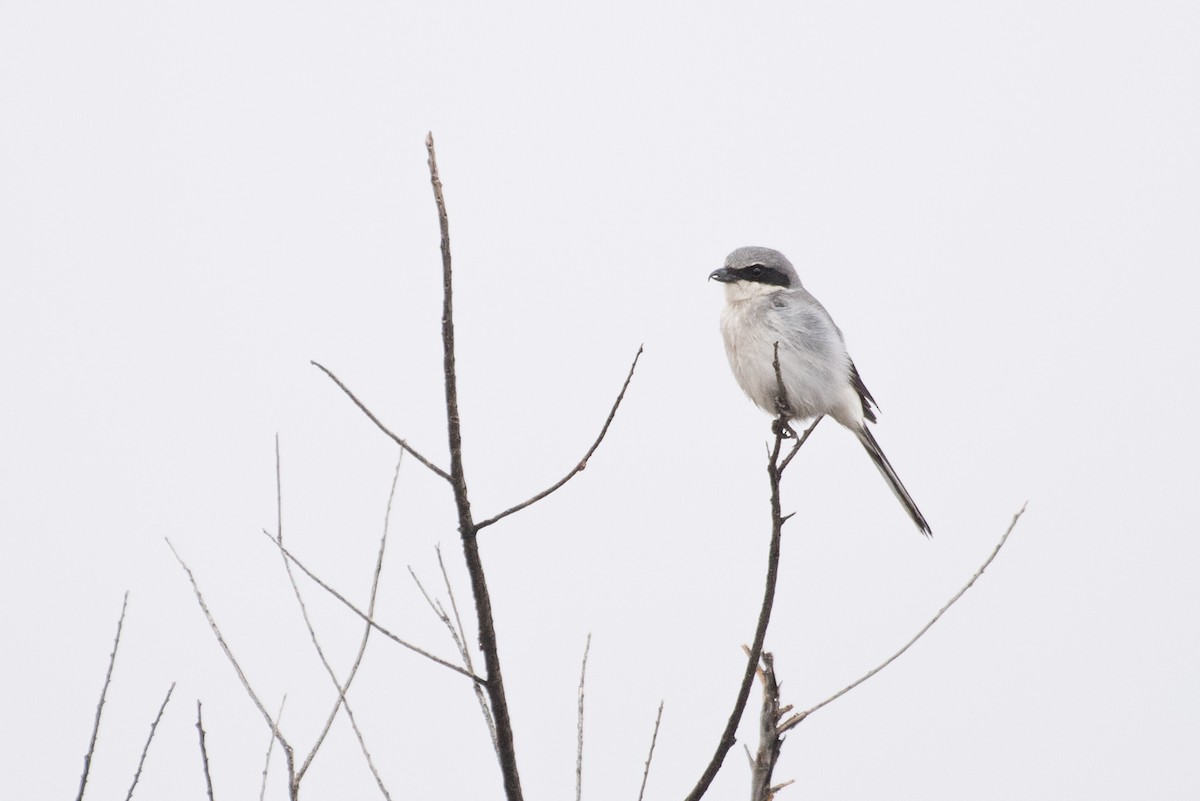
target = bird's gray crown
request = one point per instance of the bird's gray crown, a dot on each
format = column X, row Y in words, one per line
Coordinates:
column 761, row 266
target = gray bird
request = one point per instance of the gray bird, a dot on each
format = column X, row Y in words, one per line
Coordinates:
column 765, row 304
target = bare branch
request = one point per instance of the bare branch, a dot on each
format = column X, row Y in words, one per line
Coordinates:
column 362, row 648
column 775, row 789
column 204, row 751
column 650, row 756
column 303, row 612
column 146, row 748
column 216, row 630
column 112, row 658
column 212, row 623
column 466, row 525
column 774, row 473
column 262, row 792
column 459, row 637
column 437, row 470
column 799, row 716
column 367, row 618
column 782, row 406
column 462, row 631
column 465, row 649
column 340, row 702
column 579, row 737
column 435, row 607
column 579, row 468
column 782, row 422
column 799, row 443
column 770, row 739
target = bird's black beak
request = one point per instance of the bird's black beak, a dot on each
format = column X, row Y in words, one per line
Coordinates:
column 724, row 275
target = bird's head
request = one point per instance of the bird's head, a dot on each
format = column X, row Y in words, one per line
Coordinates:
column 753, row 271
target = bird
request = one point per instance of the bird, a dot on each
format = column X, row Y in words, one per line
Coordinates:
column 766, row 304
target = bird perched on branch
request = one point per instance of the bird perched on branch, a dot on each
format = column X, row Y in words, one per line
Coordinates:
column 764, row 305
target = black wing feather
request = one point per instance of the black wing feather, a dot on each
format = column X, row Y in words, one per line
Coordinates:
column 869, row 403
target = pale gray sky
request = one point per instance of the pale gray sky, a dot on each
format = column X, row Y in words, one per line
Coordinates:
column 998, row 203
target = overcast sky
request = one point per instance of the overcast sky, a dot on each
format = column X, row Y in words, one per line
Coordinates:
column 998, row 203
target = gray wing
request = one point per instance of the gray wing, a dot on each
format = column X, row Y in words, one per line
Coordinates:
column 820, row 317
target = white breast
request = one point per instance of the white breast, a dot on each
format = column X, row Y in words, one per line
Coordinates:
column 812, row 357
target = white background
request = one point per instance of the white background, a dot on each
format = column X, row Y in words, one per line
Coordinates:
column 998, row 202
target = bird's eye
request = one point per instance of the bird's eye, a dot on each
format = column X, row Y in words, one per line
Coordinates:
column 756, row 270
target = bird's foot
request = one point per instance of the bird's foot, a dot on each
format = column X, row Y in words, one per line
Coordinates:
column 780, row 427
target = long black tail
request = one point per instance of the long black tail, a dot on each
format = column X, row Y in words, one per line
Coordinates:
column 893, row 480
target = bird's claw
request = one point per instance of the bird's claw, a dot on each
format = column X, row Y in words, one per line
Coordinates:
column 780, row 427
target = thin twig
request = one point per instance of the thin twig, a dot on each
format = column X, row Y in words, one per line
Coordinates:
column 204, row 751
column 362, row 649
column 466, row 525
column 775, row 470
column 367, row 618
column 579, row 737
column 799, row 442
column 579, row 468
column 303, row 610
column 784, row 408
column 216, row 630
column 436, row 608
column 146, row 748
column 776, row 788
column 459, row 638
column 340, row 702
column 799, row 716
column 462, row 631
column 650, row 756
column 437, row 470
column 485, row 710
column 262, row 792
column 112, row 658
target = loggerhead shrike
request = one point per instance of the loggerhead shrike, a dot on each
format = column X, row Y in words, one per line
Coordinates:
column 765, row 304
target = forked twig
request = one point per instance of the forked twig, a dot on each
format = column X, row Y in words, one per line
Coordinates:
column 775, row 470
column 403, row 444
column 112, row 658
column 650, row 756
column 293, row 789
column 459, row 637
column 362, row 649
column 367, row 618
column 262, row 792
column 342, row 688
column 462, row 631
column 799, row 716
column 146, row 748
column 579, row 468
column 799, row 443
